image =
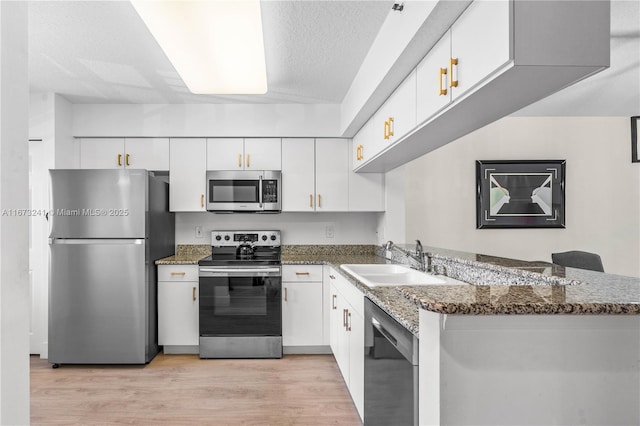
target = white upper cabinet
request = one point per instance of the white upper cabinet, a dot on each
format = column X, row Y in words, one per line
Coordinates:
column 147, row 153
column 396, row 117
column 366, row 190
column 263, row 154
column 476, row 45
column 298, row 174
column 225, row 154
column 187, row 175
column 480, row 44
column 244, row 154
column 496, row 58
column 315, row 174
column 433, row 80
column 332, row 175
column 119, row 153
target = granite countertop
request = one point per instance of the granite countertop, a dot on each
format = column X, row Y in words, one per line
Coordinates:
column 187, row 254
column 500, row 286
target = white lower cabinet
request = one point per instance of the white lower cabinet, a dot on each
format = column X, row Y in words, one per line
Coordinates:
column 302, row 312
column 346, row 319
column 178, row 303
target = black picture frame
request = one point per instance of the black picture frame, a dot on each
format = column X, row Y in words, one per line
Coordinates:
column 520, row 194
column 635, row 155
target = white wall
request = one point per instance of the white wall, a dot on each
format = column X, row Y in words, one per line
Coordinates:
column 391, row 223
column 602, row 190
column 220, row 120
column 297, row 228
column 14, row 228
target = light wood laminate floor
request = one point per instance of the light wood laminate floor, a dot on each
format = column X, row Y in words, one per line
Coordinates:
column 185, row 390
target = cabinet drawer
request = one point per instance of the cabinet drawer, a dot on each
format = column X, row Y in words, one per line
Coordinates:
column 177, row 272
column 301, row 273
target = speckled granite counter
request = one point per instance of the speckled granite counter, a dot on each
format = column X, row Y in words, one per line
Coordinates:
column 186, row 254
column 501, row 286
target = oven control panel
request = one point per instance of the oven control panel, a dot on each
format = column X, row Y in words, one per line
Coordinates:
column 236, row 238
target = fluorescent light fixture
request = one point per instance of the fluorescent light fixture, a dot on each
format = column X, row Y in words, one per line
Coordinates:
column 216, row 46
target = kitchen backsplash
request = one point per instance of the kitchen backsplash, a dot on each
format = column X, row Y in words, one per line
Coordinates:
column 296, row 228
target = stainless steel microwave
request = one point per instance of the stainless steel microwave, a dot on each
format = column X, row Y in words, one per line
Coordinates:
column 248, row 191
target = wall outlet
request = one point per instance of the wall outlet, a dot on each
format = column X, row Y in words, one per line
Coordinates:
column 199, row 232
column 329, row 231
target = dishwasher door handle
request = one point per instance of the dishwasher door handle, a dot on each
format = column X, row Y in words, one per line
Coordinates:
column 385, row 333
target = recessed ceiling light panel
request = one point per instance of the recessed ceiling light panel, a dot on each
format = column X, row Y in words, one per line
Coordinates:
column 216, row 46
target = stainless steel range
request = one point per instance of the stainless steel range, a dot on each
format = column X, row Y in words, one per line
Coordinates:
column 240, row 296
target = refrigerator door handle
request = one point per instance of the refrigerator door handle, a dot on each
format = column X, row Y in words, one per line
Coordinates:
column 114, row 241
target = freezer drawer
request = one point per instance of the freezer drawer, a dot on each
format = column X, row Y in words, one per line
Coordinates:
column 99, row 302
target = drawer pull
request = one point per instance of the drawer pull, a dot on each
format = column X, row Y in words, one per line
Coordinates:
column 178, row 273
column 302, row 273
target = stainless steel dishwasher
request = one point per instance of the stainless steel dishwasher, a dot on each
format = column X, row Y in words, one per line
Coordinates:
column 390, row 370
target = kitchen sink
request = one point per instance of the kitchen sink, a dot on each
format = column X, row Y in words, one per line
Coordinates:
column 377, row 275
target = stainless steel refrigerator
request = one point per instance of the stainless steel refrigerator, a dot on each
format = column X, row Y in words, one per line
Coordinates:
column 107, row 229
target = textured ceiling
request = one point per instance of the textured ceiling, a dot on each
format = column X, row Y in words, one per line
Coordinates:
column 101, row 52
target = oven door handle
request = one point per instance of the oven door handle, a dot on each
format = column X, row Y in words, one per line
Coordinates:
column 211, row 272
column 260, row 192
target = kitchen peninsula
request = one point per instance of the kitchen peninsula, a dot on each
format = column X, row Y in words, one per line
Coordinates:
column 528, row 343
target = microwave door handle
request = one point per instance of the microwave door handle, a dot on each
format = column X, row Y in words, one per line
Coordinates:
column 260, row 192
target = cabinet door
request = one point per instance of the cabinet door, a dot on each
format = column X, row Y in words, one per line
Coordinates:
column 433, row 92
column 187, row 174
column 402, row 108
column 147, row 153
column 332, row 174
column 302, row 313
column 355, row 327
column 178, row 313
column 366, row 190
column 225, row 154
column 102, row 153
column 263, row 154
column 298, row 175
column 480, row 43
column 339, row 338
column 363, row 147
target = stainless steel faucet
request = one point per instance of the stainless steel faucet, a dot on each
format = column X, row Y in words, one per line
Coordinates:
column 419, row 255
